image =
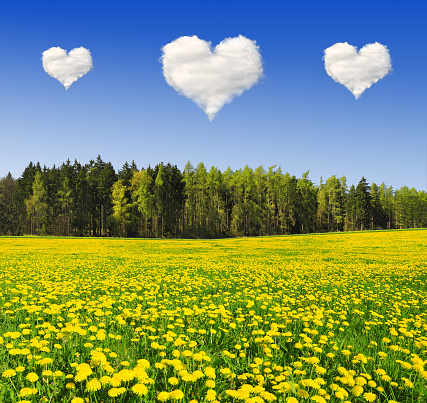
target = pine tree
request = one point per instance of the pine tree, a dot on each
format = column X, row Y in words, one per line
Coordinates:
column 307, row 204
column 363, row 205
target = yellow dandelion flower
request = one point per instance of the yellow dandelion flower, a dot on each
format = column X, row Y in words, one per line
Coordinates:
column 14, row 351
column 105, row 380
column 269, row 397
column 361, row 381
column 210, row 383
column 115, row 381
column 143, row 363
column 243, row 394
column 210, row 372
column 77, row 400
column 81, row 376
column 32, row 377
column 173, row 381
column 386, row 378
column 302, row 393
column 70, row 385
column 140, row 389
column 176, row 394
column 9, row 373
column 233, row 393
column 163, row 396
column 318, row 399
column 93, row 385
column 159, row 365
column 357, row 390
column 342, row 371
column 291, row 399
column 187, row 353
column 26, row 392
column 114, row 392
column 210, row 395
column 370, row 397
column 320, row 370
column 126, row 375
column 198, row 374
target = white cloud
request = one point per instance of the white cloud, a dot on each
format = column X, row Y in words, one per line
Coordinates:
column 357, row 71
column 211, row 79
column 67, row 68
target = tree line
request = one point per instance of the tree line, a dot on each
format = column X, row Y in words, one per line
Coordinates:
column 94, row 200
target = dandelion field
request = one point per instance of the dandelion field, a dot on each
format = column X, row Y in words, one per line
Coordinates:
column 313, row 318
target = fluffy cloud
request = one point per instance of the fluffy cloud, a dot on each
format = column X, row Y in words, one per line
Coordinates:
column 67, row 68
column 211, row 78
column 357, row 71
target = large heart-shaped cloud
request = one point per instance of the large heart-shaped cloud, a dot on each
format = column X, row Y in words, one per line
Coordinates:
column 67, row 68
column 211, row 79
column 357, row 71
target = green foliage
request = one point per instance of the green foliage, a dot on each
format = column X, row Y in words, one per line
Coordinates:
column 120, row 205
column 92, row 200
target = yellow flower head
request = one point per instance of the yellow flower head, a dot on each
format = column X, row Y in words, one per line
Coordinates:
column 126, row 375
column 370, row 397
column 210, row 383
column 139, row 389
column 176, row 394
column 9, row 373
column 143, row 363
column 163, row 396
column 210, row 372
column 357, row 390
column 26, row 392
column 115, row 381
column 32, row 377
column 93, row 385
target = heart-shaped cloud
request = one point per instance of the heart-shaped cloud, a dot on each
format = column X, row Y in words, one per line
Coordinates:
column 211, row 79
column 357, row 71
column 67, row 68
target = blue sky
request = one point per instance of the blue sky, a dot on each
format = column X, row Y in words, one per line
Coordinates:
column 296, row 117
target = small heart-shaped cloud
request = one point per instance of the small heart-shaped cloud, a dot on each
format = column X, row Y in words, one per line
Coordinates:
column 211, row 79
column 67, row 68
column 357, row 71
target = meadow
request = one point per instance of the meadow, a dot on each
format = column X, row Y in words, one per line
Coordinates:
column 312, row 318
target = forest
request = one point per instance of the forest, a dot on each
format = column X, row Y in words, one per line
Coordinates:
column 163, row 202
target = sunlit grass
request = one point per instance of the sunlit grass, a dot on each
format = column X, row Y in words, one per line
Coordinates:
column 313, row 318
